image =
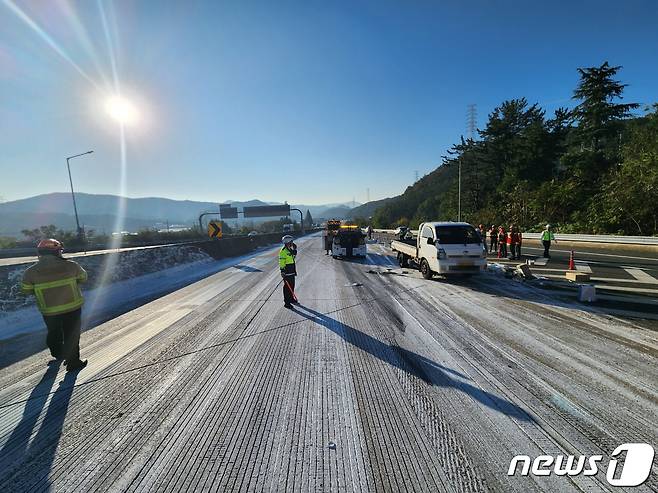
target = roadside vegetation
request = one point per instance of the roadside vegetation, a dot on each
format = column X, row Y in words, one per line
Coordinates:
column 589, row 169
column 94, row 240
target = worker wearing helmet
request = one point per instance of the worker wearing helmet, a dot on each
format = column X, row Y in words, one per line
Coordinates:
column 546, row 237
column 288, row 270
column 55, row 283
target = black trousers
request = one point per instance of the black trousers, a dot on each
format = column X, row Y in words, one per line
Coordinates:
column 547, row 247
column 287, row 294
column 515, row 250
column 63, row 337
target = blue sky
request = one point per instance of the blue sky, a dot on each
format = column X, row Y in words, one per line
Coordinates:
column 310, row 102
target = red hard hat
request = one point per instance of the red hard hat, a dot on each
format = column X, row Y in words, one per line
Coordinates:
column 50, row 244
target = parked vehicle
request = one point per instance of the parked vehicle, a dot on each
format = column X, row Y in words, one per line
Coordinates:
column 445, row 248
column 349, row 241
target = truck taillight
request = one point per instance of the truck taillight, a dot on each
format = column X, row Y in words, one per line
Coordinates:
column 441, row 253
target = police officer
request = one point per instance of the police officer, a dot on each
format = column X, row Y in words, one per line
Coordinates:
column 55, row 283
column 288, row 270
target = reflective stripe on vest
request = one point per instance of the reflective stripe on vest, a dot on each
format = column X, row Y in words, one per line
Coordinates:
column 70, row 284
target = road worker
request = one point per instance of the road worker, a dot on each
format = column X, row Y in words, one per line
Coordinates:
column 493, row 239
column 55, row 282
column 483, row 235
column 546, row 237
column 514, row 240
column 288, row 270
column 502, row 242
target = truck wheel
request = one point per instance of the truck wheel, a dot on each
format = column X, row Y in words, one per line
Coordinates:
column 402, row 260
column 425, row 269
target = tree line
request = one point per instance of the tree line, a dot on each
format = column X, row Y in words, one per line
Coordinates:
column 589, row 169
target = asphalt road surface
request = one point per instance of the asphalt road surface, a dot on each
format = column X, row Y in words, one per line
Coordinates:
column 379, row 381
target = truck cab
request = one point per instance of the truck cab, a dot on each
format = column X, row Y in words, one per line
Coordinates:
column 451, row 248
column 445, row 248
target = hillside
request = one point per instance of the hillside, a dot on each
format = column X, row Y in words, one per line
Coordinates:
column 368, row 209
column 423, row 200
column 590, row 169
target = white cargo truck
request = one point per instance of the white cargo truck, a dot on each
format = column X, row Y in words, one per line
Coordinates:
column 445, row 248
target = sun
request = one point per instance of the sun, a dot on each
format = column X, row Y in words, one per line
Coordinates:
column 122, row 110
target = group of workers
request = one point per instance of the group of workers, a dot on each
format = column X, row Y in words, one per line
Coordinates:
column 507, row 244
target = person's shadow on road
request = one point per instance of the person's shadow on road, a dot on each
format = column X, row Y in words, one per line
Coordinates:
column 19, row 450
column 413, row 363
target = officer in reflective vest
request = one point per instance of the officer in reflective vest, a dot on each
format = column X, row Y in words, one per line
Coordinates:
column 288, row 270
column 54, row 281
column 546, row 237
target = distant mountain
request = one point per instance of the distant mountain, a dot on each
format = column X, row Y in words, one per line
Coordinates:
column 368, row 209
column 339, row 212
column 99, row 212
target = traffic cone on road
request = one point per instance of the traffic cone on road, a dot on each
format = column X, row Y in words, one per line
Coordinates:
column 572, row 264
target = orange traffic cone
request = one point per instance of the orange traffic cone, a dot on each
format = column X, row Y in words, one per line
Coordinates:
column 572, row 264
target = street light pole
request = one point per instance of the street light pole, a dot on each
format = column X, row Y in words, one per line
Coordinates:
column 459, row 193
column 75, row 207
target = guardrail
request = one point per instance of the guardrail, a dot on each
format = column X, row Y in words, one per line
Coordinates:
column 612, row 239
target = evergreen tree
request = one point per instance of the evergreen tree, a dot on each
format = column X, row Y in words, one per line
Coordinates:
column 598, row 112
column 308, row 219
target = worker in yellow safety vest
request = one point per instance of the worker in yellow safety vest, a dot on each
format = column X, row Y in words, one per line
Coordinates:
column 546, row 237
column 54, row 281
column 288, row 270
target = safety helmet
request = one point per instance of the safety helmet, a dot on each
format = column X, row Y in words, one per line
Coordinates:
column 286, row 239
column 548, row 226
column 50, row 246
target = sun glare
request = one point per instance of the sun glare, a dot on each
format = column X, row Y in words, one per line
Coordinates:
column 122, row 110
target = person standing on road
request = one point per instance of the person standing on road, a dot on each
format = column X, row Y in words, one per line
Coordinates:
column 514, row 241
column 502, row 242
column 546, row 237
column 369, row 231
column 483, row 235
column 55, row 282
column 326, row 241
column 493, row 239
column 288, row 270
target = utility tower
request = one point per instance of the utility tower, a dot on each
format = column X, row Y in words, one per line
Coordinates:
column 471, row 120
column 415, row 176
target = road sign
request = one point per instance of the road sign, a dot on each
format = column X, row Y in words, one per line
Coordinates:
column 267, row 210
column 228, row 212
column 215, row 229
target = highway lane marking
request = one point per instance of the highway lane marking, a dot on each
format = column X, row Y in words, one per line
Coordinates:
column 641, row 276
column 612, row 288
column 583, row 267
column 599, row 254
